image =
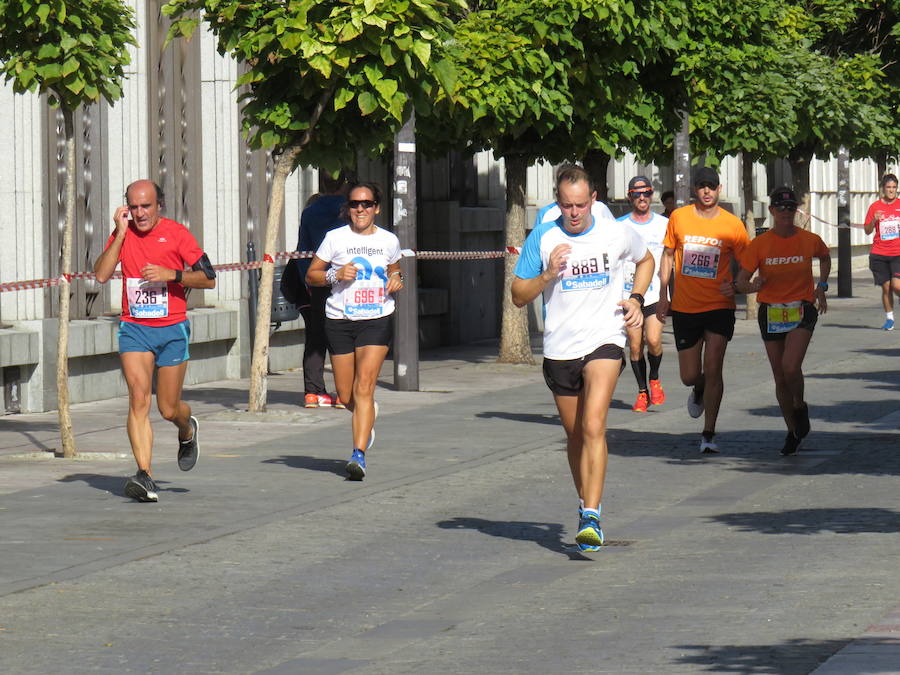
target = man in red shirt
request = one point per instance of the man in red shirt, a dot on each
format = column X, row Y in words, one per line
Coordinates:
column 883, row 218
column 153, row 328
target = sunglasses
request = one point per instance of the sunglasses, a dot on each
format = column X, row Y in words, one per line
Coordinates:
column 637, row 194
column 786, row 207
column 365, row 203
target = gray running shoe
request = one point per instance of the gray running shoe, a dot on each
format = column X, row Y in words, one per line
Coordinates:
column 189, row 451
column 141, row 487
column 694, row 405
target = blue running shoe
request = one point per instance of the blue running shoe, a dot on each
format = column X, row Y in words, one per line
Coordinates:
column 589, row 532
column 888, row 324
column 356, row 467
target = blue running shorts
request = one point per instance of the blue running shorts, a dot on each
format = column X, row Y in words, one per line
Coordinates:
column 168, row 343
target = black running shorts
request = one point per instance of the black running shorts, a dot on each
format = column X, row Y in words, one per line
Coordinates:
column 344, row 335
column 884, row 268
column 566, row 377
column 689, row 327
column 808, row 322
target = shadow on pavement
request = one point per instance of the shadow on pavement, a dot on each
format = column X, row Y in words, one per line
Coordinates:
column 28, row 429
column 536, row 418
column 865, row 412
column 548, row 535
column 889, row 375
column 870, row 453
column 787, row 658
column 814, row 521
column 328, row 465
column 113, row 484
column 235, row 398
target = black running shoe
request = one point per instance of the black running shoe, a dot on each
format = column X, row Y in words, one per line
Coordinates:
column 801, row 421
column 141, row 487
column 791, row 445
column 189, row 451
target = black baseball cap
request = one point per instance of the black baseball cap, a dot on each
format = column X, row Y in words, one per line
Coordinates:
column 706, row 175
column 639, row 181
column 783, row 196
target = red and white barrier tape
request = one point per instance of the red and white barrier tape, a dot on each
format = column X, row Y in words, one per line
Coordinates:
column 822, row 220
column 257, row 264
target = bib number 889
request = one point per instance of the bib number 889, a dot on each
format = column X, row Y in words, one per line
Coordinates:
column 588, row 266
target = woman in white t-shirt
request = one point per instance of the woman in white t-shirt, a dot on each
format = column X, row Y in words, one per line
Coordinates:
column 361, row 263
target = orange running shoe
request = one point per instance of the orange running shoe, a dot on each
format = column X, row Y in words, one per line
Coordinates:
column 640, row 404
column 338, row 403
column 311, row 401
column 325, row 401
column 657, row 395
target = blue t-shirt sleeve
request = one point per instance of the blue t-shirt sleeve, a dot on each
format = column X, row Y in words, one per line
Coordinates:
column 530, row 264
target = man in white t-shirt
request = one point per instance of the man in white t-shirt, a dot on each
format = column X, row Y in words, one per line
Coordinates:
column 652, row 229
column 577, row 263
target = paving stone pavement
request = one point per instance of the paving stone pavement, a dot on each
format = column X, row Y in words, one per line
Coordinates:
column 455, row 554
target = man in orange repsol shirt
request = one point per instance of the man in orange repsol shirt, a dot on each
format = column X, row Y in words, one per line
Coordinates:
column 786, row 293
column 701, row 241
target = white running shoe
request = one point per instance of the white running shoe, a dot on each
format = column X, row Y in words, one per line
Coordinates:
column 372, row 433
column 694, row 407
column 708, row 446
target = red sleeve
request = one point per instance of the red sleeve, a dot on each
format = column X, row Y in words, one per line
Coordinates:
column 188, row 248
column 870, row 213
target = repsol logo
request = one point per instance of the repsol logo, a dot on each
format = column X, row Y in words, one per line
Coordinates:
column 784, row 261
column 697, row 239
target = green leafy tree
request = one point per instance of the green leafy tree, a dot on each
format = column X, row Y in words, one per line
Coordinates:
column 324, row 81
column 545, row 80
column 820, row 75
column 74, row 52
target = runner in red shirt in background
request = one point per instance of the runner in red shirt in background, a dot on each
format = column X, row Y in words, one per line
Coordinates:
column 883, row 218
column 153, row 329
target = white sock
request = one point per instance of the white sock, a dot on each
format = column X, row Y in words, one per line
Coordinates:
column 889, row 315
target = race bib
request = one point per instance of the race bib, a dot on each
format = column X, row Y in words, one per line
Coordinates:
column 889, row 229
column 585, row 274
column 629, row 279
column 700, row 260
column 147, row 299
column 783, row 318
column 364, row 299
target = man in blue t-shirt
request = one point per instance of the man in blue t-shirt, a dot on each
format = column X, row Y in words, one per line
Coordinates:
column 323, row 213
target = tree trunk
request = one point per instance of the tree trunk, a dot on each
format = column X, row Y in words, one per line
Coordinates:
column 62, row 343
column 682, row 161
column 881, row 164
column 515, row 343
column 596, row 163
column 259, row 365
column 800, row 178
column 749, row 219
